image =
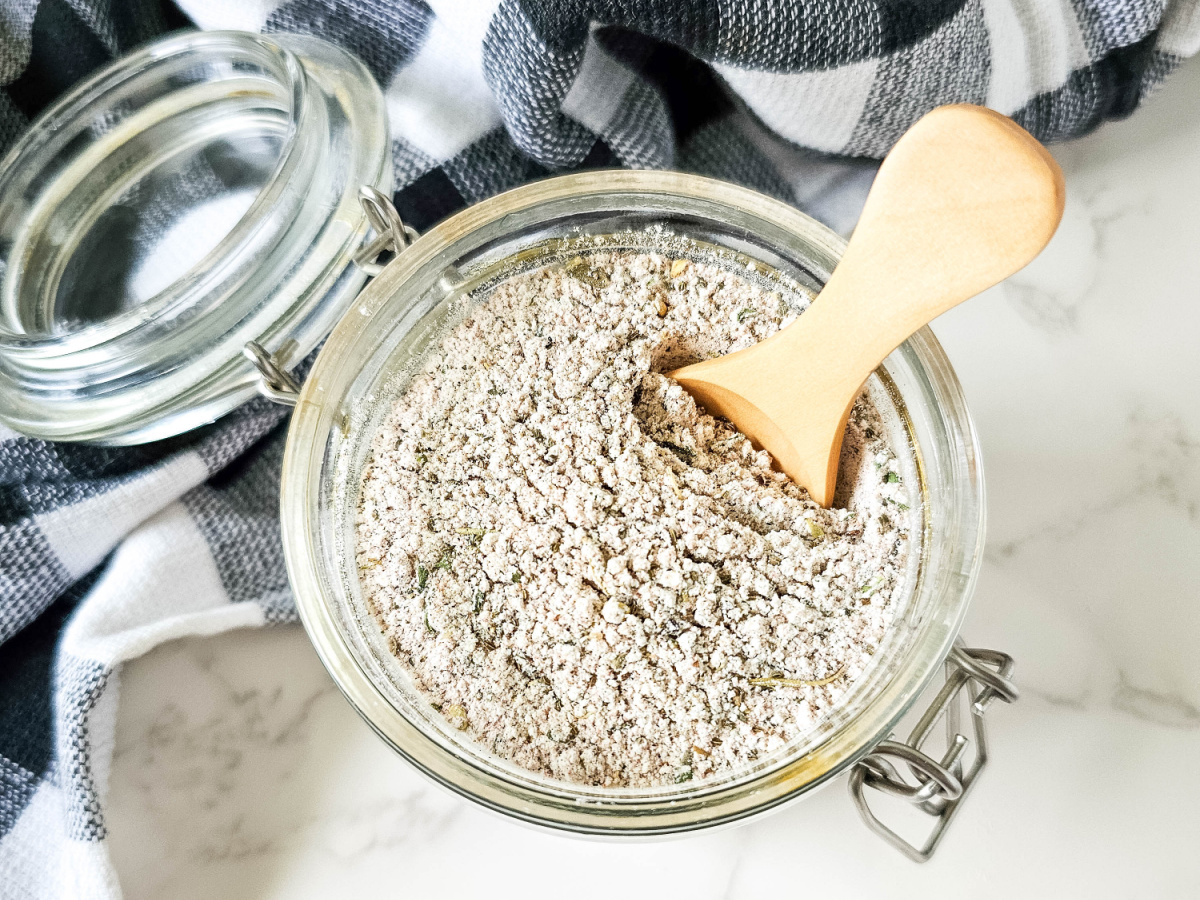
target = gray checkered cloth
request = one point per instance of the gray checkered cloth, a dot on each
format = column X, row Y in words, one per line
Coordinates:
column 105, row 553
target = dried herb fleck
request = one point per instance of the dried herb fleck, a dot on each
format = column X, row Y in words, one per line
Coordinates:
column 456, row 715
column 871, row 587
column 799, row 682
column 683, row 453
column 579, row 269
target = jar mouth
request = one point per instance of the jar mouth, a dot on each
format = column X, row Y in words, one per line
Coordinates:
column 186, row 142
column 197, row 194
column 321, row 471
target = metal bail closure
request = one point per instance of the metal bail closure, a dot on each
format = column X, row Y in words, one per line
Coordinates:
column 937, row 787
column 391, row 234
column 275, row 383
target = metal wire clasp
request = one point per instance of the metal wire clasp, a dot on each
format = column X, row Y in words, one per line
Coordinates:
column 937, row 787
column 275, row 381
column 391, row 234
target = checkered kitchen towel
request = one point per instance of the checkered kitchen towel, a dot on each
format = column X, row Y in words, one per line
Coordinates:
column 105, row 553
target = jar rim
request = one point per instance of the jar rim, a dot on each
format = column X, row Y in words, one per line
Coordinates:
column 309, row 466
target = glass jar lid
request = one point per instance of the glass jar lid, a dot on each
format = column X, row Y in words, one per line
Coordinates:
column 197, row 194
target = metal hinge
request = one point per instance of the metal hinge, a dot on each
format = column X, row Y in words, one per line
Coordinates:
column 391, row 234
column 937, row 787
column 275, row 381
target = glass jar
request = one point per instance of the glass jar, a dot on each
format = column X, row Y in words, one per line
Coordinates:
column 388, row 330
column 201, row 196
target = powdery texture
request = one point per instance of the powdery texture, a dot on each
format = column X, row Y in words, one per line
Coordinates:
column 582, row 570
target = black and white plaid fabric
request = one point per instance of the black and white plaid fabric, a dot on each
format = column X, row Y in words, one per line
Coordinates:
column 105, row 553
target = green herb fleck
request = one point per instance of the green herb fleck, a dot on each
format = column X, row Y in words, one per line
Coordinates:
column 444, row 560
column 428, row 628
column 799, row 682
column 744, row 314
column 871, row 587
column 516, row 577
column 685, row 775
column 422, row 577
column 892, row 478
column 815, row 530
column 579, row 268
column 478, row 602
column 683, row 453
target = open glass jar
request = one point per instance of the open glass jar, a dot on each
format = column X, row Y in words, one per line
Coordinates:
column 160, row 352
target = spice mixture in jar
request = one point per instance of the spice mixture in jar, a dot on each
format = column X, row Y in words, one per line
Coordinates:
column 587, row 574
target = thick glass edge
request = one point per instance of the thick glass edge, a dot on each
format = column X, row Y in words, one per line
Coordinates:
column 300, row 493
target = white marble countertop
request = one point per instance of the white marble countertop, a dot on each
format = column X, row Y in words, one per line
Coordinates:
column 240, row 772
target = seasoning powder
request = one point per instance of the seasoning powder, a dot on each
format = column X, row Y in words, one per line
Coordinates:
column 590, row 576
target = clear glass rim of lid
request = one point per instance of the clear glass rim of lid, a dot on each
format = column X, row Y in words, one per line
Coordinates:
column 196, row 194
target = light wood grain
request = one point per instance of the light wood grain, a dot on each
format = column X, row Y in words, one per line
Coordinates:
column 966, row 198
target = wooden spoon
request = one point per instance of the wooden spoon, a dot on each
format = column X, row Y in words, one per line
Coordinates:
column 966, row 198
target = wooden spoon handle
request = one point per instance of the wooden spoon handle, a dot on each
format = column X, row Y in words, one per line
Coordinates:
column 966, row 198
